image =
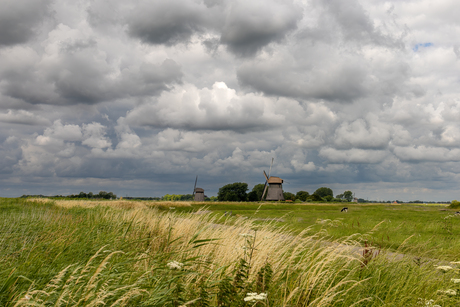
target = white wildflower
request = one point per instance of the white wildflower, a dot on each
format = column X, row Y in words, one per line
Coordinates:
column 27, row 297
column 174, row 265
column 455, row 280
column 425, row 302
column 247, row 235
column 444, row 268
column 253, row 297
column 450, row 292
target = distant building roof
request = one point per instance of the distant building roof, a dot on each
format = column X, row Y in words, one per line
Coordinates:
column 199, row 190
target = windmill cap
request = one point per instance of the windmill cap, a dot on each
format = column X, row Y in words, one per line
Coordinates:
column 274, row 179
column 199, row 190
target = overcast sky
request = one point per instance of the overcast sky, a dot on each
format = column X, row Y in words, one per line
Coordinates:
column 138, row 97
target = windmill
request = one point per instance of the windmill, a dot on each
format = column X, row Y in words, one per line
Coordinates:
column 274, row 188
column 198, row 193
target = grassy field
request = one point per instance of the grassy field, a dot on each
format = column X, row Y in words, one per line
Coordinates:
column 126, row 253
column 420, row 230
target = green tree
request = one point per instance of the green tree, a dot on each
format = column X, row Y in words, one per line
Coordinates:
column 288, row 196
column 323, row 192
column 82, row 195
column 315, row 197
column 348, row 195
column 256, row 193
column 102, row 194
column 302, row 195
column 187, row 197
column 233, row 192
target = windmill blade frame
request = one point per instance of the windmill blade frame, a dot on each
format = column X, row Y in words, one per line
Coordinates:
column 194, row 188
column 265, row 174
column 265, row 190
column 270, row 170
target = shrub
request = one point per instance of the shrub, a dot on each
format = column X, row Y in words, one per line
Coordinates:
column 302, row 195
column 233, row 192
column 455, row 204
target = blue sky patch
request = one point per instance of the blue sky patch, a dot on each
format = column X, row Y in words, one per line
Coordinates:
column 422, row 45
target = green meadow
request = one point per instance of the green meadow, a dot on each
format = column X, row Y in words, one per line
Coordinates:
column 140, row 253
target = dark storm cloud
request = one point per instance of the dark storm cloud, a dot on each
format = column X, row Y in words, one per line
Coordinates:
column 341, row 81
column 251, row 25
column 79, row 72
column 19, row 20
column 245, row 27
column 167, row 22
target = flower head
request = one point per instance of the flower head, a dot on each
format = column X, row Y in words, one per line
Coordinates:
column 444, row 268
column 450, row 292
column 455, row 280
column 174, row 265
column 253, row 297
column 427, row 303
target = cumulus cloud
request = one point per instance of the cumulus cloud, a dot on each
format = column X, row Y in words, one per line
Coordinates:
column 140, row 97
column 74, row 69
column 219, row 108
column 362, row 134
column 245, row 27
column 352, row 155
column 424, row 153
column 23, row 117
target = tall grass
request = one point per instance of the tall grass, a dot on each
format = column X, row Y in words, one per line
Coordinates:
column 120, row 254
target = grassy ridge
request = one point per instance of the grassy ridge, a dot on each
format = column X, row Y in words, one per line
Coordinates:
column 122, row 253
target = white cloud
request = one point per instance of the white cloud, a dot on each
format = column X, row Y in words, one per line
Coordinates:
column 218, row 108
column 94, row 135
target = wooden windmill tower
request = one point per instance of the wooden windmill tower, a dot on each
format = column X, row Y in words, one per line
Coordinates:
column 198, row 193
column 275, row 187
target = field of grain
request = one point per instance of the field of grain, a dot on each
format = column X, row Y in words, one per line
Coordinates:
column 126, row 253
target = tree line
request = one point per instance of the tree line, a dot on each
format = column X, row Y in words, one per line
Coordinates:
column 90, row 195
column 238, row 192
